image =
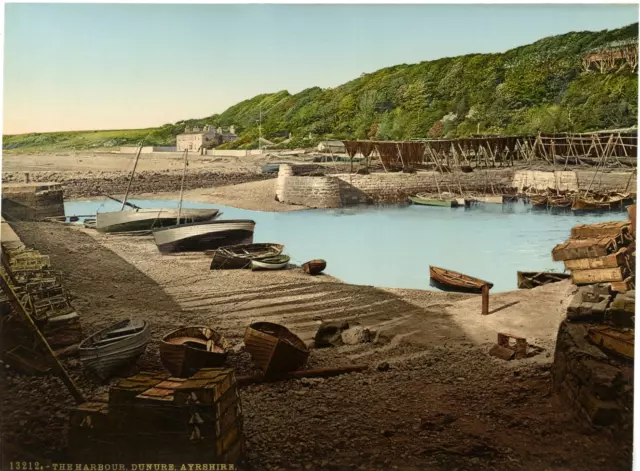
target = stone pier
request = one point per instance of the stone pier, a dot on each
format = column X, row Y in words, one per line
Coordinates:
column 32, row 200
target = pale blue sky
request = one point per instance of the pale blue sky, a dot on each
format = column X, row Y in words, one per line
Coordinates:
column 114, row 66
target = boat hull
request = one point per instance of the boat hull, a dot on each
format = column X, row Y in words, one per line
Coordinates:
column 106, row 359
column 271, row 263
column 448, row 280
column 433, row 202
column 199, row 237
column 147, row 218
column 314, row 267
column 240, row 256
column 274, row 348
column 182, row 360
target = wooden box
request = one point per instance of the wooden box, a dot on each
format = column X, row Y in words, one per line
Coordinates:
column 602, row 229
column 584, row 248
column 607, row 261
column 598, row 275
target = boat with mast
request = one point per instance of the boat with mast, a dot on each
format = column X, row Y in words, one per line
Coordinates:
column 201, row 236
column 145, row 219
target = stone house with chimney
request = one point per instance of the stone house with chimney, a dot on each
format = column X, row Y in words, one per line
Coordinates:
column 195, row 139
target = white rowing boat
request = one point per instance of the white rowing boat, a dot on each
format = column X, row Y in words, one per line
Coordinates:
column 114, row 347
column 198, row 237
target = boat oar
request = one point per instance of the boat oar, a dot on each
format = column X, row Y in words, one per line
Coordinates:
column 124, row 202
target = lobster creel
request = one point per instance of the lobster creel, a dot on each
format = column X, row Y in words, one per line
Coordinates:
column 274, row 348
column 314, row 267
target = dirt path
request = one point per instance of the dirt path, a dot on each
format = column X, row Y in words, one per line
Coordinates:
column 444, row 404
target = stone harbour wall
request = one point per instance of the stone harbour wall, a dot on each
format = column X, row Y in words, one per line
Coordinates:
column 396, row 187
column 31, row 202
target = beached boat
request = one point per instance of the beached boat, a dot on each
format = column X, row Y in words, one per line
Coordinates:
column 276, row 262
column 114, row 347
column 314, row 267
column 202, row 236
column 560, row 202
column 145, row 219
column 539, row 201
column 531, row 279
column 186, row 350
column 426, row 200
column 274, row 348
column 240, row 256
column 449, row 280
column 601, row 202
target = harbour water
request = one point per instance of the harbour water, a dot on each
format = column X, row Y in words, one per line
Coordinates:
column 393, row 246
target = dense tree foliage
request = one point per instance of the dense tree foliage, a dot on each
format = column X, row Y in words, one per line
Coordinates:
column 538, row 87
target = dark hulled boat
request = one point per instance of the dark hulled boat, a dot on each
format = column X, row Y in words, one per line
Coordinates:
column 314, row 267
column 202, row 236
column 234, row 257
column 274, row 348
column 449, row 280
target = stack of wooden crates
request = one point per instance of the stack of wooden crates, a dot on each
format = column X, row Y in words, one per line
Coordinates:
column 601, row 253
column 153, row 418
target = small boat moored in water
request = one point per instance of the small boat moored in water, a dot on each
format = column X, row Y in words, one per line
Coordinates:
column 314, row 267
column 185, row 350
column 277, row 262
column 426, row 200
column 114, row 347
column 274, row 348
column 240, row 256
column 449, row 280
column 202, row 236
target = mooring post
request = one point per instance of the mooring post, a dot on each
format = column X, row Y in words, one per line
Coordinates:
column 485, row 299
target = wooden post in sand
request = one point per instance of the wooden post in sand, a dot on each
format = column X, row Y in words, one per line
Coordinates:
column 485, row 299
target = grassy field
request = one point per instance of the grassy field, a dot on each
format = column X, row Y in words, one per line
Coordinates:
column 79, row 140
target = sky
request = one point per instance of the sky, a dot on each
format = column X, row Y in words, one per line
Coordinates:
column 119, row 66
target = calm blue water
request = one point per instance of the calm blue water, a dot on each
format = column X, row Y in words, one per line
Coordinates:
column 394, row 245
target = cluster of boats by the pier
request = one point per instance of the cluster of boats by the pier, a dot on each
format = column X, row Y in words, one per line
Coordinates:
column 549, row 199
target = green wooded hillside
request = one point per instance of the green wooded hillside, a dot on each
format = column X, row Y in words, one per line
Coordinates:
column 538, row 87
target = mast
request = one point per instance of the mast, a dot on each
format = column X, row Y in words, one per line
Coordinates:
column 260, row 131
column 124, row 202
column 184, row 173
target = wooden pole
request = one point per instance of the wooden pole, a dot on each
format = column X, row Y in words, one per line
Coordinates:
column 135, row 164
column 485, row 300
column 335, row 166
column 400, row 154
column 184, row 174
column 21, row 311
column 380, row 158
column 435, row 177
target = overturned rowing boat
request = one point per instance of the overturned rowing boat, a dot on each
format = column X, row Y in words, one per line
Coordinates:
column 426, row 200
column 240, row 256
column 203, row 236
column 114, row 347
column 449, row 280
column 275, row 348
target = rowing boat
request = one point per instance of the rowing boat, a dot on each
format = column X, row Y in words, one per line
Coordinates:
column 496, row 199
column 114, row 347
column 314, row 267
column 601, row 202
column 449, row 280
column 425, row 200
column 539, row 201
column 274, row 348
column 185, row 350
column 203, row 236
column 277, row 262
column 240, row 256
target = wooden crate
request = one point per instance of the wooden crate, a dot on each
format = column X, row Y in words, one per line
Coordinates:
column 607, row 261
column 602, row 229
column 623, row 286
column 598, row 275
column 613, row 340
column 584, row 248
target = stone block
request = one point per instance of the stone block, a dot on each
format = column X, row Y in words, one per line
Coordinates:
column 599, row 412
